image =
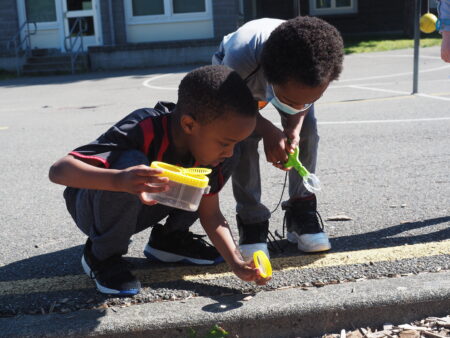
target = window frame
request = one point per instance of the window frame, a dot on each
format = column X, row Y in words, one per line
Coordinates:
column 43, row 25
column 313, row 10
column 168, row 15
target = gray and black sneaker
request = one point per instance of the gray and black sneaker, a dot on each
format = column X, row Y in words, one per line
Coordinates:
column 111, row 275
column 252, row 237
column 180, row 246
column 303, row 226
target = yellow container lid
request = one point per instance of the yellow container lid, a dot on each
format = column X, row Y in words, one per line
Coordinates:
column 195, row 177
column 262, row 263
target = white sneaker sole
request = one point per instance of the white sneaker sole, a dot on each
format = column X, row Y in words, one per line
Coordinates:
column 104, row 289
column 167, row 257
column 310, row 242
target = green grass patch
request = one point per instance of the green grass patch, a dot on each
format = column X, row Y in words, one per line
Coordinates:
column 378, row 44
column 6, row 75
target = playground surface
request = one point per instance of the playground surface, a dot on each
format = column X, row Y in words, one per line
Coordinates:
column 384, row 160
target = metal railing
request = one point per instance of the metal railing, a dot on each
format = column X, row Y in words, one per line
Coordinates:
column 22, row 42
column 73, row 38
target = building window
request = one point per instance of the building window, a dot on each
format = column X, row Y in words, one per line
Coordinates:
column 328, row 7
column 192, row 6
column 141, row 7
column 40, row 11
column 140, row 11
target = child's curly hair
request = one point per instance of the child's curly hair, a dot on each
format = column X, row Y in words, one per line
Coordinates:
column 212, row 92
column 304, row 49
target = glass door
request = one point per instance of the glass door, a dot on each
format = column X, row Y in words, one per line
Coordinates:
column 81, row 20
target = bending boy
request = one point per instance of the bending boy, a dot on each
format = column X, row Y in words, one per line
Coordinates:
column 289, row 64
column 107, row 179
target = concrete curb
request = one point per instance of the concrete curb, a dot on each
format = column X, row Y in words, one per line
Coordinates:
column 280, row 313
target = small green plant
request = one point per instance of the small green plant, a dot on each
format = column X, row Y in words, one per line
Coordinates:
column 216, row 332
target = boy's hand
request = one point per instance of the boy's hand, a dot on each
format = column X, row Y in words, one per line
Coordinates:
column 275, row 142
column 249, row 273
column 292, row 125
column 141, row 179
column 293, row 137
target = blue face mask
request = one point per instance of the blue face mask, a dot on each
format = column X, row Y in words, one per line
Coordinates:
column 272, row 98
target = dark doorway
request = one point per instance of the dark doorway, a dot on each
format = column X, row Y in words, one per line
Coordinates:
column 280, row 9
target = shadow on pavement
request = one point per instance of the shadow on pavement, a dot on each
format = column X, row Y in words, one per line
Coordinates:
column 225, row 304
column 67, row 262
column 58, row 263
column 393, row 236
column 91, row 76
column 387, row 237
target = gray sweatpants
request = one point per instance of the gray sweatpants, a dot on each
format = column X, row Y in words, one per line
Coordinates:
column 111, row 218
column 247, row 178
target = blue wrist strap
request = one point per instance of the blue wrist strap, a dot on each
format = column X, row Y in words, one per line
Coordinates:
column 440, row 23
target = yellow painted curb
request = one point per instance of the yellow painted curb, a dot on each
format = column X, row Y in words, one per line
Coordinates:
column 199, row 273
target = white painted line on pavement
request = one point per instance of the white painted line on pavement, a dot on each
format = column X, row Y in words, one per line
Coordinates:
column 372, row 56
column 336, row 85
column 278, row 124
column 147, row 84
column 380, row 90
column 433, row 97
column 392, row 75
column 400, row 92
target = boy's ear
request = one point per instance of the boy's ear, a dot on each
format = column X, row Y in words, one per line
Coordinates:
column 188, row 123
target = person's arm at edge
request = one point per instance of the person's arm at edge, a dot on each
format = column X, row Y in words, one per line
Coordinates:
column 444, row 13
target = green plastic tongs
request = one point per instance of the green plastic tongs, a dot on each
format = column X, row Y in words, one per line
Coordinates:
column 310, row 181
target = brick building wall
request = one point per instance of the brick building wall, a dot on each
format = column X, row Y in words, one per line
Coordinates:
column 9, row 23
column 225, row 16
column 118, row 18
column 372, row 16
column 379, row 16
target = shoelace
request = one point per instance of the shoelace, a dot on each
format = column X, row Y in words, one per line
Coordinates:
column 195, row 238
column 273, row 244
column 312, row 221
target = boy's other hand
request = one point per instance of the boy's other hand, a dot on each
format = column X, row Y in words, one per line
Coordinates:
column 249, row 273
column 141, row 179
column 275, row 147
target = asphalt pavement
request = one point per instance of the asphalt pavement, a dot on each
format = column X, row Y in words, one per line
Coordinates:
column 384, row 164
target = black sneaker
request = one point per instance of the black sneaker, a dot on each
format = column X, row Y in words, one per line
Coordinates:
column 111, row 275
column 303, row 226
column 252, row 237
column 180, row 246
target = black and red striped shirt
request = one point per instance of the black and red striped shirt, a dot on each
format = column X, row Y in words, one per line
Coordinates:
column 148, row 130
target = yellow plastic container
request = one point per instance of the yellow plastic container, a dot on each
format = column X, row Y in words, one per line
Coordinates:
column 186, row 186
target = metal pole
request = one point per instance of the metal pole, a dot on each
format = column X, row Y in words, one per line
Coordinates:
column 416, row 46
column 297, row 7
column 111, row 23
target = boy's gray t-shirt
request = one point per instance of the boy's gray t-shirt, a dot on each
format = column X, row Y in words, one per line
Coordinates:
column 241, row 51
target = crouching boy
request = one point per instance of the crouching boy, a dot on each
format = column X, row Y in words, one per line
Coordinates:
column 107, row 179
